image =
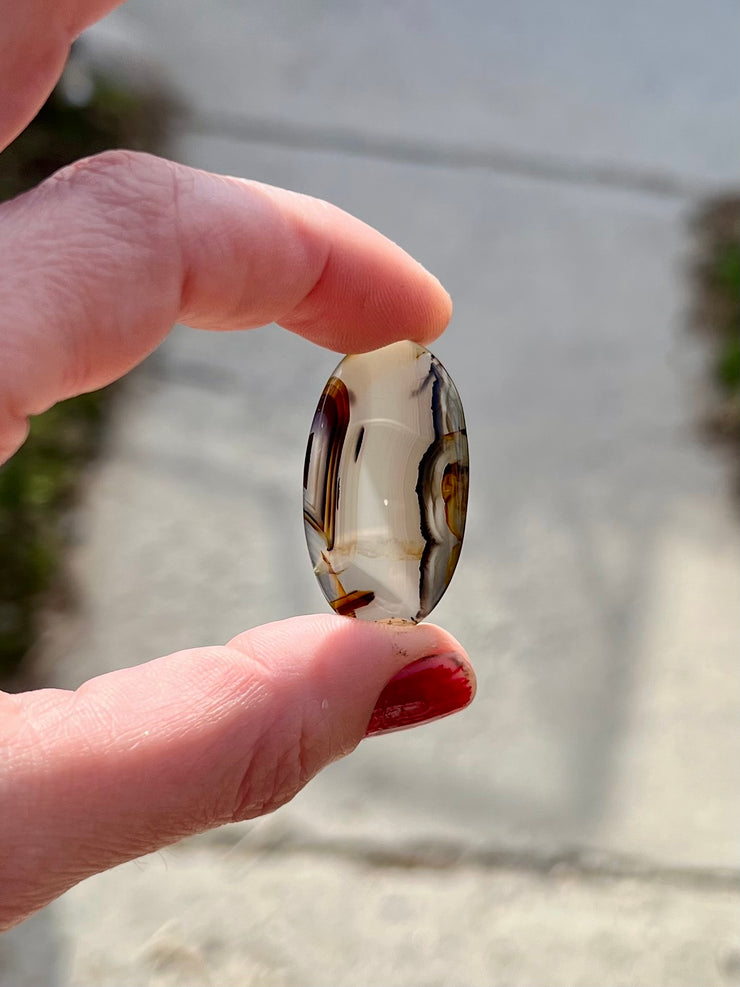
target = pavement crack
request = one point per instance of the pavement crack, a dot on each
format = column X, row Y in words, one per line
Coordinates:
column 430, row 153
column 440, row 855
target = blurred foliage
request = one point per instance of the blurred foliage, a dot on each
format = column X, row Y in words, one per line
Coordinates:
column 84, row 115
column 718, row 307
column 727, row 278
column 87, row 113
column 36, row 485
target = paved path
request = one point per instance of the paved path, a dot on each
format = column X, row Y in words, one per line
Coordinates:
column 578, row 825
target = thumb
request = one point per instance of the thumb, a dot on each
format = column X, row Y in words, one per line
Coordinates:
column 141, row 757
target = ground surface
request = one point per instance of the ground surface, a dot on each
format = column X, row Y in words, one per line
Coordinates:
column 578, row 825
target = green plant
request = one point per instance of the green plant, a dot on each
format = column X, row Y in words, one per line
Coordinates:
column 717, row 309
column 36, row 485
column 39, row 483
column 725, row 272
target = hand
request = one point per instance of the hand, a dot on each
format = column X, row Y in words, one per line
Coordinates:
column 95, row 266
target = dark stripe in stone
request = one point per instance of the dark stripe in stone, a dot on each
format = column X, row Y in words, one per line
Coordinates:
column 346, row 605
column 360, row 437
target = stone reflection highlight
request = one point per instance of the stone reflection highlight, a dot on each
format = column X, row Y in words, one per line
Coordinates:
column 385, row 484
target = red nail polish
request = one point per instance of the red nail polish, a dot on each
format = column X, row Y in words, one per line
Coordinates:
column 425, row 690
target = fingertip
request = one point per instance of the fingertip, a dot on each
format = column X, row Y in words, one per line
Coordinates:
column 447, row 308
column 370, row 291
column 440, row 310
column 426, row 690
column 428, row 314
column 448, row 643
column 342, row 657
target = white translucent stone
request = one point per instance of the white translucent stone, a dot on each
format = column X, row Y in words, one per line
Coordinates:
column 385, row 484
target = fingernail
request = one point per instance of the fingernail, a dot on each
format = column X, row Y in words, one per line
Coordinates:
column 425, row 690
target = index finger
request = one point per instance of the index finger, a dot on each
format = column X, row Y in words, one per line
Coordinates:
column 100, row 261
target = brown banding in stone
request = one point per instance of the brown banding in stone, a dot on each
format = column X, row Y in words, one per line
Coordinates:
column 346, row 605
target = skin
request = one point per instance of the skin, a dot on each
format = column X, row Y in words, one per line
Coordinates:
column 141, row 757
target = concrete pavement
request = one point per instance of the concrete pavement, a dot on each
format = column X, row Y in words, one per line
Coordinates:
column 578, row 824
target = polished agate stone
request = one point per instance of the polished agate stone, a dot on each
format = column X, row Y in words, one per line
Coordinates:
column 385, row 484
